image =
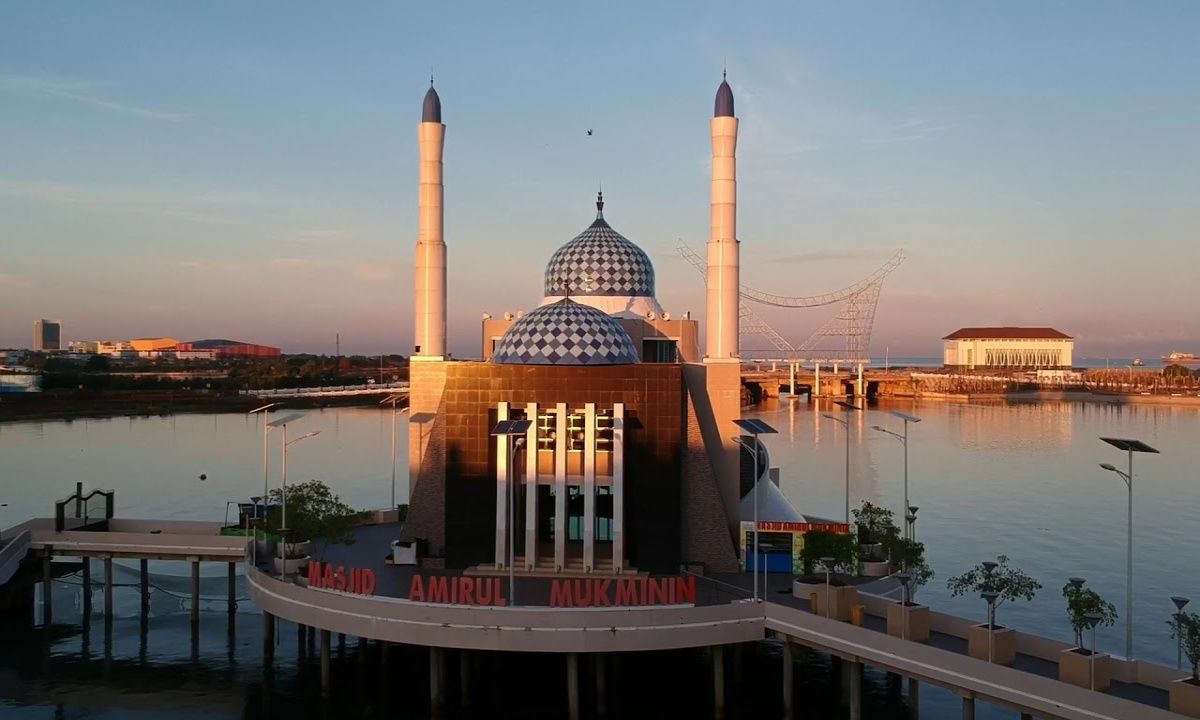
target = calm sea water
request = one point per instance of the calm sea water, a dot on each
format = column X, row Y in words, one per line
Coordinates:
column 998, row 478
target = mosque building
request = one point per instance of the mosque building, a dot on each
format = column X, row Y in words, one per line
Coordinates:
column 631, row 461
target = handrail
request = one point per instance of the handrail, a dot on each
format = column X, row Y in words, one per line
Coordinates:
column 12, row 554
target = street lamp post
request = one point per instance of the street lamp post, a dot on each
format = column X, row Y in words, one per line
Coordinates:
column 756, row 427
column 1092, row 619
column 1180, row 602
column 514, row 433
column 911, row 519
column 828, row 562
column 904, row 578
column 990, row 597
column 844, row 422
column 903, row 441
column 1130, row 446
column 393, row 400
column 265, row 410
column 283, row 445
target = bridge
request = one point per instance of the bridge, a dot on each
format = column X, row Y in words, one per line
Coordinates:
column 393, row 388
column 824, row 380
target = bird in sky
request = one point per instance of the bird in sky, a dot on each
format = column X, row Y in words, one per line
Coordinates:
column 589, row 131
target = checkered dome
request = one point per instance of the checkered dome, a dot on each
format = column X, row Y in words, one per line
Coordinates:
column 566, row 333
column 600, row 261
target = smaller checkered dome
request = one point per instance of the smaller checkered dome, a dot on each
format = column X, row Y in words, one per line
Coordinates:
column 566, row 333
column 600, row 261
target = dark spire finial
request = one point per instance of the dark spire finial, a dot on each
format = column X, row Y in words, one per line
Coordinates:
column 431, row 109
column 599, row 204
column 723, row 107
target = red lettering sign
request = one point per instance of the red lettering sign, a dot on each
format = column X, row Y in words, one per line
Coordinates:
column 796, row 527
column 360, row 581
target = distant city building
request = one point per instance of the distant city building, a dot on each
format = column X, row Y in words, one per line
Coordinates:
column 47, row 335
column 1012, row 348
column 229, row 348
column 151, row 344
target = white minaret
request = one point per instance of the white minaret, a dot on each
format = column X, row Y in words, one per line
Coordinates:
column 429, row 303
column 721, row 319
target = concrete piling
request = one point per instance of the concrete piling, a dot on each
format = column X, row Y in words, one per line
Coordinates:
column 573, row 686
column 855, row 671
column 195, row 593
column 788, row 677
column 718, row 669
column 437, row 685
column 87, row 591
column 968, row 708
column 108, row 588
column 325, row 682
column 47, row 587
column 914, row 699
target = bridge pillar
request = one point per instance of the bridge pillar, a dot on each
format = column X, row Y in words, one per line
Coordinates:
column 144, row 570
column 195, row 593
column 816, row 391
column 792, row 379
column 47, row 587
column 600, row 670
column 914, row 699
column 437, row 685
column 788, row 677
column 232, row 598
column 87, row 591
column 968, row 708
column 268, row 637
column 325, row 683
column 718, row 668
column 835, row 368
column 855, row 671
column 573, row 686
column 108, row 588
column 858, row 383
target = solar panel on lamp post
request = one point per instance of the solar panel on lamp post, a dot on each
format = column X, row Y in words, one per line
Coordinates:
column 1129, row 446
column 512, row 430
column 904, row 578
column 393, row 400
column 755, row 427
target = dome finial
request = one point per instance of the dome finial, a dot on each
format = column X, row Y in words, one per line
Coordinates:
column 724, row 104
column 600, row 204
column 431, row 108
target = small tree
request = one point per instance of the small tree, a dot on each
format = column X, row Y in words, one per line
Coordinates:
column 1008, row 582
column 910, row 554
column 313, row 512
column 1080, row 602
column 1185, row 627
column 826, row 543
column 874, row 523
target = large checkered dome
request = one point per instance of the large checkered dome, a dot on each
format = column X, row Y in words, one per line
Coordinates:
column 566, row 333
column 600, row 261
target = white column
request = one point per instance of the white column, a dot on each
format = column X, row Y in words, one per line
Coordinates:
column 429, row 289
column 531, row 488
column 589, row 487
column 501, row 491
column 618, row 486
column 816, row 379
column 561, row 443
column 721, row 316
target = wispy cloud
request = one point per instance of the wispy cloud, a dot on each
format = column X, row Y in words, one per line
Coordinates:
column 815, row 256
column 911, row 131
column 85, row 93
column 176, row 204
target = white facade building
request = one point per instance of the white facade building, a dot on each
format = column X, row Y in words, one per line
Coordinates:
column 1025, row 348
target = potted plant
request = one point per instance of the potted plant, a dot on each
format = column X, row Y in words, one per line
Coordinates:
column 313, row 512
column 824, row 584
column 875, row 529
column 1001, row 582
column 906, row 618
column 1185, row 692
column 1085, row 609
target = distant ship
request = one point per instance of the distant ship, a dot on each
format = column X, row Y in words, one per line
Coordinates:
column 1181, row 358
column 1137, row 362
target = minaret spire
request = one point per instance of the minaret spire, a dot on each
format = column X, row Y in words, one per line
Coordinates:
column 721, row 318
column 429, row 302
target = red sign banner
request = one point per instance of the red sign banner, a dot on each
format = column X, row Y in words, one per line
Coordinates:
column 564, row 592
column 796, row 527
column 352, row 580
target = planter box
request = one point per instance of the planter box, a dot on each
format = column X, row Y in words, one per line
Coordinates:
column 1185, row 698
column 1004, row 644
column 290, row 566
column 917, row 627
column 295, row 548
column 841, row 598
column 871, row 568
column 1075, row 667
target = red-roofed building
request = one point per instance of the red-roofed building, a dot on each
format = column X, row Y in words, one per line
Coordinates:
column 1010, row 348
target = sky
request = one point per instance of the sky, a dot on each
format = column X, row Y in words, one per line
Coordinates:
column 249, row 170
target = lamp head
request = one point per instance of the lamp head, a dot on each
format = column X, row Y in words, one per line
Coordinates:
column 1076, row 582
column 1092, row 618
column 988, row 566
column 828, row 562
column 904, row 578
column 1109, row 467
column 990, row 596
column 1179, row 601
column 912, row 509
